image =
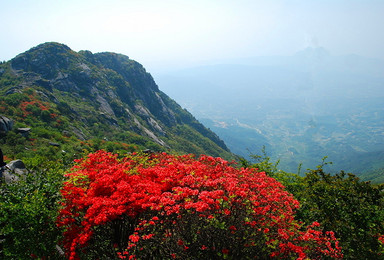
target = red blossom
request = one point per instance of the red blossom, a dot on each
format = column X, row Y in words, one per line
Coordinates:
column 225, row 251
column 233, row 228
column 165, row 195
column 381, row 239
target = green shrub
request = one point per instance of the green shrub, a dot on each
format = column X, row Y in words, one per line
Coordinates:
column 353, row 209
column 28, row 209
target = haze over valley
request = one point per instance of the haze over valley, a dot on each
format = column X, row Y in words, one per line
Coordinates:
column 301, row 107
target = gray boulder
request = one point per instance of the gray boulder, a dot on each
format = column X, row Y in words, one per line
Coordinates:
column 24, row 131
column 12, row 171
column 6, row 124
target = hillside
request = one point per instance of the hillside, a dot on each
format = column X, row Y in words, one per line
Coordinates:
column 63, row 103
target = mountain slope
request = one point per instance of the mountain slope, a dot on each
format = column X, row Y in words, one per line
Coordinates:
column 80, row 100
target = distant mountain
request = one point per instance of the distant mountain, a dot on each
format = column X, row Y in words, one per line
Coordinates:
column 74, row 101
column 301, row 107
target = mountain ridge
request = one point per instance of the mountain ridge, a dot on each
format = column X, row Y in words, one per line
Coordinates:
column 103, row 95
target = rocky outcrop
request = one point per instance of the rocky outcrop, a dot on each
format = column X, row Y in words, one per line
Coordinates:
column 104, row 106
column 24, row 131
column 13, row 171
column 149, row 133
column 6, row 124
column 44, row 59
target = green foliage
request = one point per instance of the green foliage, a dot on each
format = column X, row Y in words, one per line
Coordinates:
column 263, row 163
column 63, row 107
column 293, row 182
column 7, row 79
column 13, row 144
column 28, row 210
column 15, row 99
column 352, row 208
column 188, row 139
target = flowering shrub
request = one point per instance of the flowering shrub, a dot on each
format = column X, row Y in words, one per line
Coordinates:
column 180, row 207
column 32, row 105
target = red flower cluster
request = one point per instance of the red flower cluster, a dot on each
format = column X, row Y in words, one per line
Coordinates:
column 179, row 206
column 25, row 104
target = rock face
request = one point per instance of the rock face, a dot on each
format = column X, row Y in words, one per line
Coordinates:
column 6, row 124
column 13, row 171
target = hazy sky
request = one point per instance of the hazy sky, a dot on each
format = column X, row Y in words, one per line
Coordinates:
column 164, row 33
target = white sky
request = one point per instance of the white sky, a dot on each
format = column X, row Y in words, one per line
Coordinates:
column 166, row 33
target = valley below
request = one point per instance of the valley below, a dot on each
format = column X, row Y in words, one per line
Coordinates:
column 300, row 109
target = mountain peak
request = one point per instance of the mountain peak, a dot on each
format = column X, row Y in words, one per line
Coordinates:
column 313, row 52
column 45, row 59
column 105, row 91
column 52, row 46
